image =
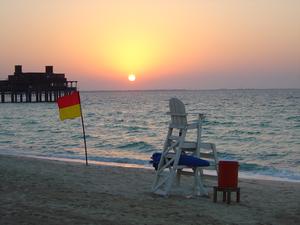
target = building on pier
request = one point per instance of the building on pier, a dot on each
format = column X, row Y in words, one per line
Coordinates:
column 35, row 86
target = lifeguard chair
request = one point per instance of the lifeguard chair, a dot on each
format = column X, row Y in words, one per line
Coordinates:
column 179, row 154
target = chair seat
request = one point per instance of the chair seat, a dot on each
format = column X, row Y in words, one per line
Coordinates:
column 184, row 160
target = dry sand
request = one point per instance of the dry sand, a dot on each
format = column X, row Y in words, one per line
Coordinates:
column 36, row 191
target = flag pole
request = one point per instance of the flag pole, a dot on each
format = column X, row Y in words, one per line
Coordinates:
column 83, row 130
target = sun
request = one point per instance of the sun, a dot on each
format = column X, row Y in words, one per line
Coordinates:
column 131, row 77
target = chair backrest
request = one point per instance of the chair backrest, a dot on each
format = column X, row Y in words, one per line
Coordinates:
column 178, row 114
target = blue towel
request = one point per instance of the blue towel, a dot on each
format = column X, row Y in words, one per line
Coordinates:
column 184, row 160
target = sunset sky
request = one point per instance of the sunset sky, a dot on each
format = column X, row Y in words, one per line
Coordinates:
column 190, row 44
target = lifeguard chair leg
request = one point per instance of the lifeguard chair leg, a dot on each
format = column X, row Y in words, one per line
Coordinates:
column 199, row 188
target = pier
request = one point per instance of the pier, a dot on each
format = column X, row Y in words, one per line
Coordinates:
column 35, row 86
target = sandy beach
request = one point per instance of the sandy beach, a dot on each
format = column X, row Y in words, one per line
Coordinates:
column 38, row 191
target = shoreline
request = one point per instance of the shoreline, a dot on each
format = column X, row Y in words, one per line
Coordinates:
column 41, row 191
column 242, row 174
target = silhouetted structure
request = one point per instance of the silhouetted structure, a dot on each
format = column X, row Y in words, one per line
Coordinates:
column 35, row 87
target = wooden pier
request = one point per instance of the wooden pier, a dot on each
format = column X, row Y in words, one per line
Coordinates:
column 35, row 86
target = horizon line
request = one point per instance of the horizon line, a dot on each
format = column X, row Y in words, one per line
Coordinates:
column 186, row 89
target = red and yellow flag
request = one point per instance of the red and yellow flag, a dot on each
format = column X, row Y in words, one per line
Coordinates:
column 69, row 106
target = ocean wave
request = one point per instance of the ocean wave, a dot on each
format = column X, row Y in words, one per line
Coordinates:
column 7, row 133
column 218, row 122
column 239, row 139
column 236, row 132
column 292, row 97
column 268, row 156
column 140, row 145
column 29, row 122
column 294, row 118
column 5, row 142
column 135, row 128
column 229, row 156
column 269, row 171
column 265, row 124
column 103, row 145
column 119, row 160
column 248, row 139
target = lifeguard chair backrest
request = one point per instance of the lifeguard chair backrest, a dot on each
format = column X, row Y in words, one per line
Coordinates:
column 178, row 114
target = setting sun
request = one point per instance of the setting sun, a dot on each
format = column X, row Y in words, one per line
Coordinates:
column 131, row 77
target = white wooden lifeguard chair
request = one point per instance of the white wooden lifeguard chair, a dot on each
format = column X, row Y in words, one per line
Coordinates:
column 169, row 169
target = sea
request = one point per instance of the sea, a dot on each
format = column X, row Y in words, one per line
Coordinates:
column 258, row 128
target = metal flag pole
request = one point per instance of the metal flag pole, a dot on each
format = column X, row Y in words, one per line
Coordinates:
column 83, row 130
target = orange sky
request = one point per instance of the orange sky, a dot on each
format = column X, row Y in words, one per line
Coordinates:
column 195, row 44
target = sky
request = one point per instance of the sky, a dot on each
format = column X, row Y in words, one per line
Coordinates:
column 175, row 44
